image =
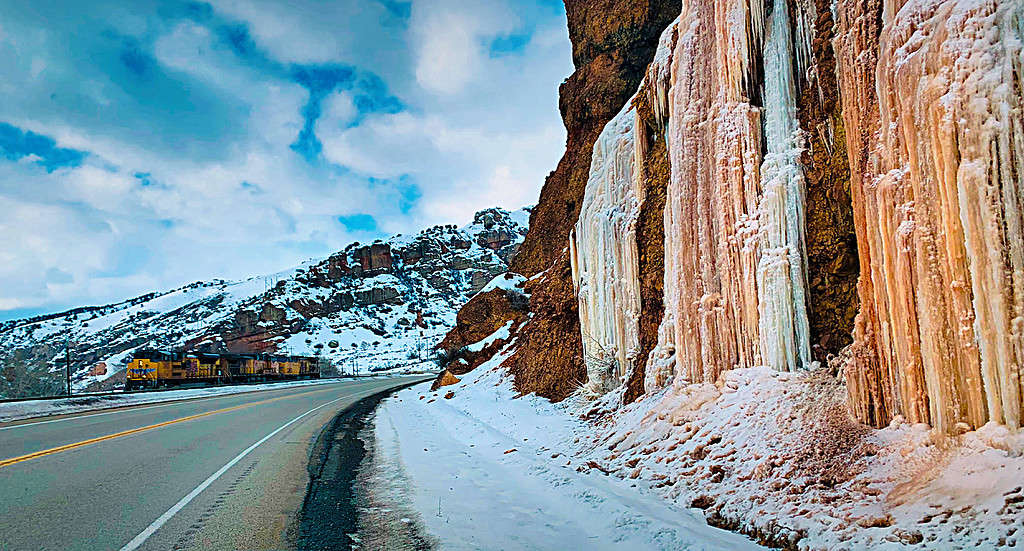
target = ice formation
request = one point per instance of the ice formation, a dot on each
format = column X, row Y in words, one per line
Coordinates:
column 932, row 122
column 735, row 281
column 714, row 139
column 932, row 96
column 781, row 272
column 603, row 255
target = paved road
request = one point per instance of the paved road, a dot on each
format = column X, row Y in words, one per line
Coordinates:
column 227, row 472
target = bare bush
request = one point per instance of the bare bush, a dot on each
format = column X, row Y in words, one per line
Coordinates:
column 445, row 356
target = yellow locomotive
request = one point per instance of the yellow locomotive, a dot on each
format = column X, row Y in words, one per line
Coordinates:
column 161, row 368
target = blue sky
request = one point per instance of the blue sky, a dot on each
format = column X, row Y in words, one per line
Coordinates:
column 144, row 145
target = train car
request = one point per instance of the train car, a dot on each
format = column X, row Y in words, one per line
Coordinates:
column 309, row 368
column 157, row 368
column 288, row 367
column 149, row 367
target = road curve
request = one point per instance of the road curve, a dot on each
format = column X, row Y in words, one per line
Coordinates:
column 227, row 472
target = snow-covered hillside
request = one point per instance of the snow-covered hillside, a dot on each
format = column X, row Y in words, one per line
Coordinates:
column 369, row 307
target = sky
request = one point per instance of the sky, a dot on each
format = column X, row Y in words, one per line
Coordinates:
column 145, row 145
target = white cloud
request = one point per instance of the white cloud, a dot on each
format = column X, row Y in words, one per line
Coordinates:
column 485, row 137
column 450, row 38
column 338, row 112
column 58, row 237
column 300, row 31
column 448, row 56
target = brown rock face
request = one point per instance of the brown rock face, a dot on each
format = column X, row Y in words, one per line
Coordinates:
column 337, row 267
column 650, row 240
column 480, row 317
column 613, row 42
column 374, row 258
column 831, row 237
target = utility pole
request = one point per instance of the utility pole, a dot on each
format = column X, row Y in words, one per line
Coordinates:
column 67, row 363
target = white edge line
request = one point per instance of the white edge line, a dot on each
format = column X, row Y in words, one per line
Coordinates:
column 162, row 519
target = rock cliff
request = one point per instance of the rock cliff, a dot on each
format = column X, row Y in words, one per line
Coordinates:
column 613, row 41
column 793, row 184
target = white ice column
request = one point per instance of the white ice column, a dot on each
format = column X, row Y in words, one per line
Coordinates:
column 781, row 271
column 604, row 252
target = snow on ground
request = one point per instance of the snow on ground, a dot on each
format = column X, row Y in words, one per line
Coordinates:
column 776, row 456
column 13, row 411
column 770, row 454
column 501, row 333
column 481, row 470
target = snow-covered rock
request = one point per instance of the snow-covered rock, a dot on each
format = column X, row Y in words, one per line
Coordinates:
column 368, row 307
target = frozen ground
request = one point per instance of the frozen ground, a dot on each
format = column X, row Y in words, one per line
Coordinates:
column 777, row 456
column 13, row 411
column 772, row 455
column 476, row 469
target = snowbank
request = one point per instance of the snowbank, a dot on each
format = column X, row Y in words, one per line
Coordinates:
column 481, row 470
column 777, row 456
column 774, row 455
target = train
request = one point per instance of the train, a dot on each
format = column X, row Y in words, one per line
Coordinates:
column 165, row 368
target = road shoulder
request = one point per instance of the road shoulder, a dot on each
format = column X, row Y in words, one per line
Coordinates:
column 336, row 501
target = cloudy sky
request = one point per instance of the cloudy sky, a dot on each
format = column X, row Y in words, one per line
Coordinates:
column 144, row 145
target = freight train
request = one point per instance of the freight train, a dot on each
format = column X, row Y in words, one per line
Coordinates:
column 159, row 368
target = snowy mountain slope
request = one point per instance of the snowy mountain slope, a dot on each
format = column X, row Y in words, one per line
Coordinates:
column 368, row 307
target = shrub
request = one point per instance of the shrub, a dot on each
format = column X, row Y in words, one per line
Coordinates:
column 517, row 300
column 446, row 356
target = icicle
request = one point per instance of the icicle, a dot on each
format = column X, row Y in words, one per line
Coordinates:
column 937, row 187
column 605, row 252
column 659, row 76
column 806, row 15
column 781, row 272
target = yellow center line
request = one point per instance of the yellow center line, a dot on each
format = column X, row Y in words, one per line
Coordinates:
column 66, row 447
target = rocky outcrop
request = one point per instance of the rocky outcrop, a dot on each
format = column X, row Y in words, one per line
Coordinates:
column 372, row 259
column 483, row 316
column 370, row 306
column 797, row 184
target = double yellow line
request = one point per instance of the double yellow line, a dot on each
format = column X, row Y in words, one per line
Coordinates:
column 66, row 447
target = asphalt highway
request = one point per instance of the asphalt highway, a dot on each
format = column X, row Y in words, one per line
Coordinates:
column 227, row 472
